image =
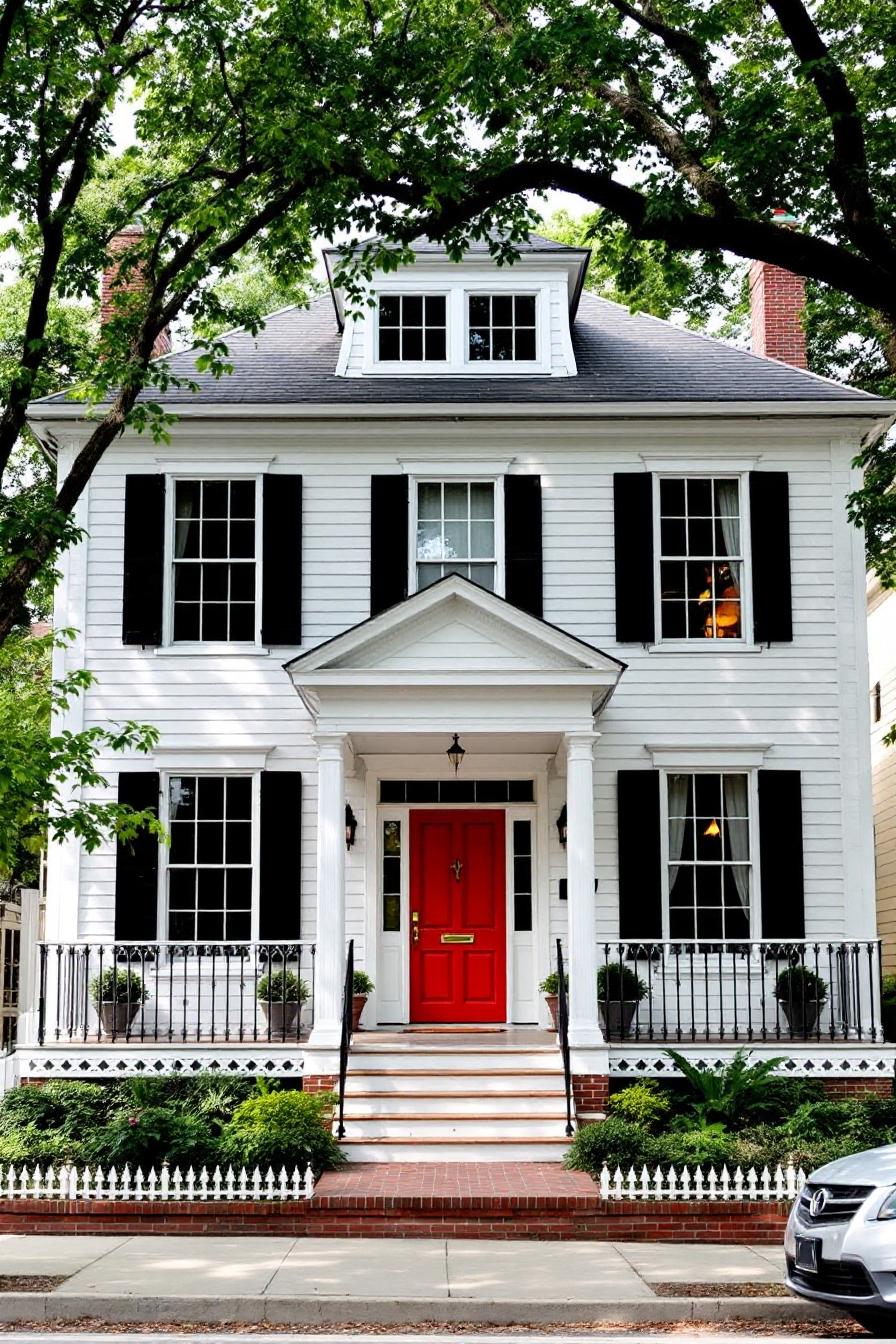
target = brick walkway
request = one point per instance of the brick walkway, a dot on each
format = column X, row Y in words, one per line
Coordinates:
column 456, row 1180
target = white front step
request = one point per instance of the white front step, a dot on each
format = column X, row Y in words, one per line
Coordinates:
column 452, row 1150
column 454, row 1103
column 467, row 1127
column 468, row 1082
column 479, row 1060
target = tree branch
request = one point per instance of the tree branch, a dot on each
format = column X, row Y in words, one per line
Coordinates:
column 688, row 50
column 848, row 167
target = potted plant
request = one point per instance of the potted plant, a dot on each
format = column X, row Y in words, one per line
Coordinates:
column 117, row 996
column 550, row 989
column 801, row 993
column 280, row 996
column 619, row 991
column 888, row 1007
column 361, row 987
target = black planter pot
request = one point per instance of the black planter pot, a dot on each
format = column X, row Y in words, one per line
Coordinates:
column 616, row 1017
column 888, row 1020
column 116, row 1018
column 802, row 1015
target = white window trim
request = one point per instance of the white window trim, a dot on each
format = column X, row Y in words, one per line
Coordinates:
column 169, row 644
column 457, row 317
column 726, row 767
column 717, row 646
column 164, row 816
column 471, row 478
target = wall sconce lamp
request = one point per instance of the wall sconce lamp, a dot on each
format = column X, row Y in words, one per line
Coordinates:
column 561, row 825
column 456, row 753
column 351, row 826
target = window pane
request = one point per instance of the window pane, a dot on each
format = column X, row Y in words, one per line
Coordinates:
column 391, row 876
column 412, row 344
column 238, row 927
column 186, row 621
column 390, row 310
column 502, row 343
column 480, row 344
column 699, row 494
column 456, row 500
column 390, row 344
column 187, row 586
column 502, row 310
column 239, row 842
column 391, row 913
column 412, row 310
column 674, row 620
column 214, row 541
column 456, row 541
column 242, row 583
column 525, row 344
column 183, row 842
column 701, row 536
column 708, row 795
column 480, row 310
column 672, row 498
column 239, row 889
column 484, row 575
column 429, row 500
column 482, row 539
column 182, row 797
column 435, row 310
column 242, row 499
column 215, row 499
column 182, row 888
column 210, row 888
column 482, row 500
column 182, row 926
column 525, row 310
column 210, row 842
column 242, row 623
column 214, row 622
column 427, row 574
column 186, row 499
column 242, row 540
column 186, row 540
column 673, row 536
column 435, row 345
column 429, row 540
column 214, row 583
column 239, row 799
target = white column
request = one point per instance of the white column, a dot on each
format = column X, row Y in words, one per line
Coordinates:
column 329, row 966
column 584, row 1029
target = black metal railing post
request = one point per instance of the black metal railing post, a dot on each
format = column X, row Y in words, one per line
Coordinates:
column 563, row 1033
column 346, row 1037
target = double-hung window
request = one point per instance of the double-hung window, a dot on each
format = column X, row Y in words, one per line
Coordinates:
column 213, row 561
column 501, row 327
column 456, row 532
column 709, row 860
column 701, row 558
column 209, row 866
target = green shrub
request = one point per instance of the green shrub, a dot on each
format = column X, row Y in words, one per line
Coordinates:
column 362, row 983
column 282, row 1129
column 888, row 991
column 732, row 1094
column 616, row 981
column 282, row 987
column 55, row 1123
column 782, row 1096
column 115, row 986
column 642, row 1103
column 799, row 985
column 617, row 1142
column 149, row 1137
column 820, row 1120
column 551, row 983
column 708, row 1144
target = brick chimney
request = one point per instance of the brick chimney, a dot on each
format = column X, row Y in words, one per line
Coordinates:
column 119, row 243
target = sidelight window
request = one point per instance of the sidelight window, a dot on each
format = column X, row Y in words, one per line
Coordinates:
column 709, row 857
column 701, row 558
column 391, row 877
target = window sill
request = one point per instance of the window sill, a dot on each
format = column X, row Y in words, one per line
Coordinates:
column 704, row 646
column 218, row 649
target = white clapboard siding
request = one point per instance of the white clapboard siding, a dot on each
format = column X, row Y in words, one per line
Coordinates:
column 805, row 698
column 882, row 652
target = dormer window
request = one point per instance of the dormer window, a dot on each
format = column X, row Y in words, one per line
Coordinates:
column 412, row 328
column 501, row 327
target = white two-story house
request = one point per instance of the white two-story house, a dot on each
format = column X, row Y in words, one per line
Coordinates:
column 492, row 619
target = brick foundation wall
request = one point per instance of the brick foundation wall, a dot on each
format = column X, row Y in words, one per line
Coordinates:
column 591, row 1092
column 534, row 1218
column 841, row 1089
column 320, row 1082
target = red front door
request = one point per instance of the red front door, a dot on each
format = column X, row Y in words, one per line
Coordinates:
column 458, row 917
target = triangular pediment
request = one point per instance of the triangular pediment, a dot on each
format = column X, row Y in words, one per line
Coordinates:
column 456, row 627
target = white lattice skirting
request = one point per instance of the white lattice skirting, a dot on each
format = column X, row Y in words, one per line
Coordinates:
column 816, row 1061
column 155, row 1061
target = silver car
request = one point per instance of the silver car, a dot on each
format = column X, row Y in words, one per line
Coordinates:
column 840, row 1241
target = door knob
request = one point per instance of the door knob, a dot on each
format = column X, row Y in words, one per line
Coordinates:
column 415, row 924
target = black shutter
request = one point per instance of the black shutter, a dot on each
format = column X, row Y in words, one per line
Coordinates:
column 281, row 549
column 388, row 541
column 781, row 854
column 633, row 548
column 640, row 873
column 280, row 855
column 144, row 559
column 137, row 864
column 770, row 555
column 522, row 543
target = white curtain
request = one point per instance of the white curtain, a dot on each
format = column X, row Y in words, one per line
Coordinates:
column 738, row 835
column 182, row 526
column 728, row 503
column 678, row 806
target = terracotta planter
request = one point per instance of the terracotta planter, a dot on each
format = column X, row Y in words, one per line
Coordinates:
column 801, row 1015
column 358, row 1002
column 553, row 1001
column 281, row 1018
column 116, row 1018
column 616, row 1017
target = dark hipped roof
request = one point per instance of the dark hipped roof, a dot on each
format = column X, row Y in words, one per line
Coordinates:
column 621, row 357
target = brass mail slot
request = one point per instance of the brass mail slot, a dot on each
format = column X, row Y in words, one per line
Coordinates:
column 458, row 937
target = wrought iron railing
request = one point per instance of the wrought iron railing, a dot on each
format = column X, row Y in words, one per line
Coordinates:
column 175, row 992
column 740, row 991
column 345, row 1039
column 563, row 1034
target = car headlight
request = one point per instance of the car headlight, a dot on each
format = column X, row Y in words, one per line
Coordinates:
column 888, row 1208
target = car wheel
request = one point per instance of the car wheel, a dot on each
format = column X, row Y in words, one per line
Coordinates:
column 880, row 1324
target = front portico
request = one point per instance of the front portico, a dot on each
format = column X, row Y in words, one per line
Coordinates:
column 386, row 698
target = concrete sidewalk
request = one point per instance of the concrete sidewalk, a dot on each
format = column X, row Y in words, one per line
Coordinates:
column 219, row 1279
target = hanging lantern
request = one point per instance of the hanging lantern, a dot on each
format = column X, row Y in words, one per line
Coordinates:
column 561, row 826
column 351, row 826
column 713, row 829
column 456, row 753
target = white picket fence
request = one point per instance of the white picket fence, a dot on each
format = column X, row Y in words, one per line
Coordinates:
column 786, row 1183
column 68, row 1182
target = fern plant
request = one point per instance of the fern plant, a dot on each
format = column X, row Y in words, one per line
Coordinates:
column 729, row 1094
